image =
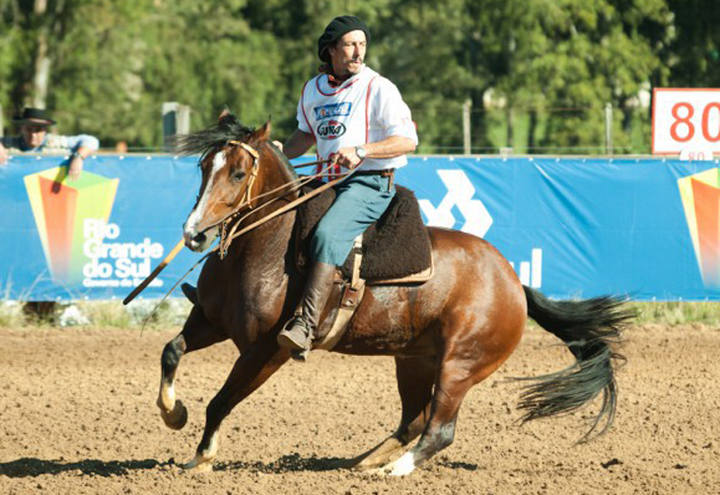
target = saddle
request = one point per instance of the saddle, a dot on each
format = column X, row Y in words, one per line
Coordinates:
column 394, row 250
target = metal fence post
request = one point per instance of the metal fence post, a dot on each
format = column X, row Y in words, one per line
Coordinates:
column 175, row 120
column 608, row 129
column 467, row 105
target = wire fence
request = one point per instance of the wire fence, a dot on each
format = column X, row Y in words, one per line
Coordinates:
column 454, row 128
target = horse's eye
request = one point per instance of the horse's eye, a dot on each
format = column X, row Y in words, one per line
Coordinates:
column 238, row 176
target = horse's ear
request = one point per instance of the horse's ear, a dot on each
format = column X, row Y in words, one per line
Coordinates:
column 263, row 133
column 223, row 114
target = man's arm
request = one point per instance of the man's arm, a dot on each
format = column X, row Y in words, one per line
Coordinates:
column 387, row 148
column 390, row 147
column 297, row 144
column 82, row 146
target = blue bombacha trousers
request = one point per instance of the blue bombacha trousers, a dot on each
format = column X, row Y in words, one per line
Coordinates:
column 360, row 201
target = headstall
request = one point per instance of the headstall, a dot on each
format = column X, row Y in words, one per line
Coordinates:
column 247, row 194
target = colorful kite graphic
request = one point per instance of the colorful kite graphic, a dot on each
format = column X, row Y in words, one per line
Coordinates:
column 60, row 209
column 700, row 194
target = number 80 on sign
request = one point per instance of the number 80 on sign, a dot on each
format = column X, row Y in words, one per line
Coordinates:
column 686, row 120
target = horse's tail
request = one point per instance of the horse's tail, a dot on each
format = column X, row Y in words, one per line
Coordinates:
column 590, row 329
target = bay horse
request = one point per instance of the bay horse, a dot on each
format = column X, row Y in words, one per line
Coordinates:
column 446, row 334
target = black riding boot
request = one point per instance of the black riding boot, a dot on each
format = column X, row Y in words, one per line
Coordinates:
column 298, row 332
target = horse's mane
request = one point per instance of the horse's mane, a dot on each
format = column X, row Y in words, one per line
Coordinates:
column 202, row 142
column 228, row 128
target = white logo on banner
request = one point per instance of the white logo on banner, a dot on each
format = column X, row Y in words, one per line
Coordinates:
column 460, row 193
column 530, row 272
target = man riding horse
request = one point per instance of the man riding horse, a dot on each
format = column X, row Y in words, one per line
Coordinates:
column 446, row 334
column 358, row 120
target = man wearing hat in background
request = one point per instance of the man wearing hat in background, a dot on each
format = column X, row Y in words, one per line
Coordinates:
column 33, row 125
column 359, row 121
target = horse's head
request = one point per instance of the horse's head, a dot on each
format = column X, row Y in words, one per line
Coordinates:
column 230, row 164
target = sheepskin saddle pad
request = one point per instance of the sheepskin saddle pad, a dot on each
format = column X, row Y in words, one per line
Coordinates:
column 394, row 247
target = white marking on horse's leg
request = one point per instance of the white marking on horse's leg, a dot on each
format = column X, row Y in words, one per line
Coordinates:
column 403, row 466
column 167, row 396
column 211, row 450
column 203, row 459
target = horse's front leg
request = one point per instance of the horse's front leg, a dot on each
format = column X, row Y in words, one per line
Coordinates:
column 197, row 333
column 251, row 369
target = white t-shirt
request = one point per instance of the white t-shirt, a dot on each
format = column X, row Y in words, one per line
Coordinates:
column 364, row 109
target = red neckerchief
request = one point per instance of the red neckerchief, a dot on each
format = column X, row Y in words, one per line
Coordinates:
column 334, row 81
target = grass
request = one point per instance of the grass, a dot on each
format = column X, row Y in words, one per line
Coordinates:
column 677, row 313
column 106, row 314
column 172, row 313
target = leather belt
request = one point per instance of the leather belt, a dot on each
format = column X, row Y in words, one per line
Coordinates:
column 388, row 172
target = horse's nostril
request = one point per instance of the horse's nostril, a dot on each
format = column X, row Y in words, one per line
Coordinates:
column 200, row 238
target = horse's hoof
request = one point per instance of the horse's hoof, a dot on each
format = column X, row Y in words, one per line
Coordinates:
column 198, row 464
column 177, row 418
column 401, row 467
column 366, row 468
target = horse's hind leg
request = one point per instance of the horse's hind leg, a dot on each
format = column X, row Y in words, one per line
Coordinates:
column 469, row 358
column 415, row 377
column 440, row 429
column 255, row 365
column 197, row 333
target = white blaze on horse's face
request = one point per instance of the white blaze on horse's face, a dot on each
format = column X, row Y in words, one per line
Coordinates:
column 196, row 237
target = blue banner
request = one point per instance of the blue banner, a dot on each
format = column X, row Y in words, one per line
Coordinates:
column 649, row 229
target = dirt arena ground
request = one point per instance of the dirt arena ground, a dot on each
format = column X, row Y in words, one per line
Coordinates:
column 78, row 416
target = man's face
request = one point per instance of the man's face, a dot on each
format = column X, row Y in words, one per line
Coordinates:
column 348, row 54
column 33, row 134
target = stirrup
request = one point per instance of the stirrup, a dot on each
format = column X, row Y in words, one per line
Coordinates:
column 301, row 356
column 295, row 336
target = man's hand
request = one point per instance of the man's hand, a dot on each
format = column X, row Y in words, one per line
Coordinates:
column 278, row 145
column 3, row 155
column 346, row 157
column 76, row 165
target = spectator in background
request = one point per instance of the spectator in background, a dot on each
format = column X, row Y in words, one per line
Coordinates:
column 33, row 125
column 121, row 147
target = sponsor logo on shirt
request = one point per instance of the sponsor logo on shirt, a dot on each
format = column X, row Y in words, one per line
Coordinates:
column 331, row 129
column 341, row 109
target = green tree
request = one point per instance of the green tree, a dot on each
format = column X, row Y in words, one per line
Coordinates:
column 573, row 55
column 694, row 55
column 421, row 46
column 105, row 67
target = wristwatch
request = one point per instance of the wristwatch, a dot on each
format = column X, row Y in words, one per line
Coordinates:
column 361, row 152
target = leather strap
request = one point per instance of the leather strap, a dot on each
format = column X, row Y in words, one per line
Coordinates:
column 351, row 298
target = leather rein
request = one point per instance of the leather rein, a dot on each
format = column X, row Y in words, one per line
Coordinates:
column 227, row 236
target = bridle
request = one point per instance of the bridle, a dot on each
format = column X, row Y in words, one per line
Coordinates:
column 246, row 200
column 226, row 237
column 250, row 180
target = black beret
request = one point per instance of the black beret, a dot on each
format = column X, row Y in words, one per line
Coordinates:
column 337, row 28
